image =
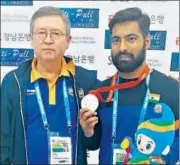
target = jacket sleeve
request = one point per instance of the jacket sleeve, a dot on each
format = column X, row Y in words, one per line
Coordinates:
column 5, row 119
column 88, row 82
column 93, row 143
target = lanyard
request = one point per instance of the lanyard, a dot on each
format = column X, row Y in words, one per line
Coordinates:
column 115, row 107
column 42, row 110
column 126, row 85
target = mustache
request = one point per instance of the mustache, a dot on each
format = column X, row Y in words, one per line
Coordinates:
column 127, row 54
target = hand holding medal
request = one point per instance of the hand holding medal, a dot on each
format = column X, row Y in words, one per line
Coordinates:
column 88, row 118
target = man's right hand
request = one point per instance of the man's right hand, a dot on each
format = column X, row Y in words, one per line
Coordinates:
column 88, row 120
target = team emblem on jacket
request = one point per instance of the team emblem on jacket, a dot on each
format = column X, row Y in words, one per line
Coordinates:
column 81, row 93
column 158, row 108
column 70, row 90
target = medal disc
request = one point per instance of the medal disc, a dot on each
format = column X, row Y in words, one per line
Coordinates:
column 90, row 101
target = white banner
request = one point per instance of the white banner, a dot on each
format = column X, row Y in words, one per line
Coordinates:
column 90, row 43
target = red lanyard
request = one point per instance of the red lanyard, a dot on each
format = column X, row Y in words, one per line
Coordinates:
column 114, row 87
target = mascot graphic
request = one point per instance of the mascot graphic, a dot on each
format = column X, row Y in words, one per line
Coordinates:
column 154, row 137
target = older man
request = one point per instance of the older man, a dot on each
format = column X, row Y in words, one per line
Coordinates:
column 40, row 99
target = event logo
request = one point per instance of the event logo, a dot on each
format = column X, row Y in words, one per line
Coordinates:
column 174, row 62
column 17, row 3
column 15, row 56
column 82, row 17
column 158, row 40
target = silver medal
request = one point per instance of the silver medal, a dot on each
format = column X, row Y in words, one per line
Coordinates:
column 90, row 101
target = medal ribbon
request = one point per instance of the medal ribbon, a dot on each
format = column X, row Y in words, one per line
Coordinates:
column 98, row 92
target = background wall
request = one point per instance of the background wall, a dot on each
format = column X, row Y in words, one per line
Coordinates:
column 90, row 45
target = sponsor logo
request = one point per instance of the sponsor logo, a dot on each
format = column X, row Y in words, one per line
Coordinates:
column 174, row 62
column 15, row 56
column 15, row 37
column 82, row 17
column 107, row 42
column 157, row 19
column 82, row 58
column 110, row 60
column 30, row 92
column 158, row 40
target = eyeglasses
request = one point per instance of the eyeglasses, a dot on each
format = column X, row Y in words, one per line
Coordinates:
column 55, row 35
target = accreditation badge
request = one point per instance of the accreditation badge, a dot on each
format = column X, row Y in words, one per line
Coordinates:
column 60, row 149
column 90, row 101
column 118, row 154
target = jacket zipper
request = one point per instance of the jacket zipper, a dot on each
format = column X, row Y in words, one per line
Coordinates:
column 77, row 130
column 20, row 96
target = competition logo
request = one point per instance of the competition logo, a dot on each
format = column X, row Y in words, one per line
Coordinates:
column 82, row 17
column 13, row 57
column 158, row 40
column 17, row 3
column 174, row 62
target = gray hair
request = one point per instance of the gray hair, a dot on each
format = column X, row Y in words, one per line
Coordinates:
column 50, row 11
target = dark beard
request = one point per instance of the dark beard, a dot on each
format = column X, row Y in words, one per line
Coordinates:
column 131, row 65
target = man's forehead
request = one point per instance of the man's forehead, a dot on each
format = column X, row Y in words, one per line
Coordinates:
column 50, row 22
column 126, row 28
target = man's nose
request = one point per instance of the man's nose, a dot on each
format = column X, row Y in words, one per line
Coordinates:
column 48, row 39
column 123, row 47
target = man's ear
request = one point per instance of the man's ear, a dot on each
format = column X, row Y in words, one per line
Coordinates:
column 31, row 37
column 166, row 150
column 68, row 41
column 147, row 42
